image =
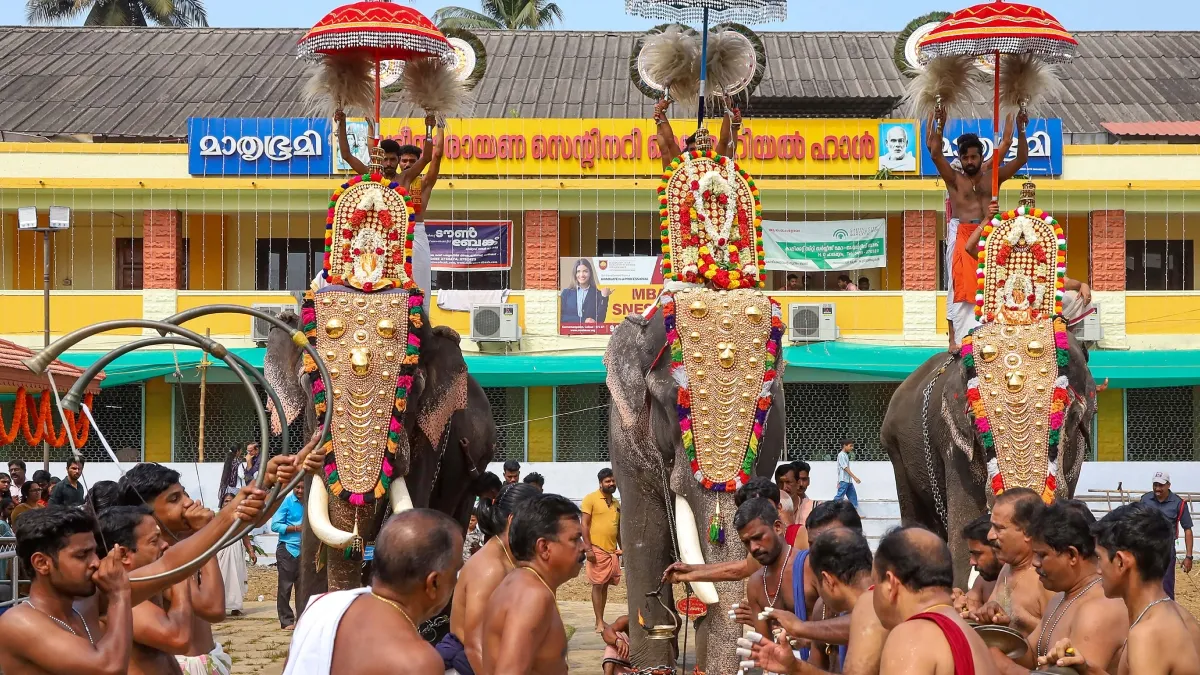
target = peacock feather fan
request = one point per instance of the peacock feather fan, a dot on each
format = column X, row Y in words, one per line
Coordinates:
column 731, row 61
column 340, row 81
column 671, row 59
column 949, row 81
column 1025, row 81
column 432, row 85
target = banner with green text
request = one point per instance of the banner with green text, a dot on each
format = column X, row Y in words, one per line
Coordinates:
column 818, row 246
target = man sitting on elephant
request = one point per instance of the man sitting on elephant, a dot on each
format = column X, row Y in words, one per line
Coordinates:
column 1064, row 553
column 1019, row 599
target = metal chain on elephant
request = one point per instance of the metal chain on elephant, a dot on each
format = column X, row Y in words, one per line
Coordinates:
column 938, row 502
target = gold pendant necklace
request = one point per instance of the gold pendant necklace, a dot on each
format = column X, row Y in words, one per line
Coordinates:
column 398, row 608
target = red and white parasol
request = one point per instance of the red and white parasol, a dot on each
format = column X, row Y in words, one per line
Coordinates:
column 381, row 30
column 996, row 28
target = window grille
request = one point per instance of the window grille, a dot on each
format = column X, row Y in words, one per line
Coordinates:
column 581, row 423
column 118, row 412
column 229, row 421
column 1160, row 424
column 508, row 410
column 821, row 415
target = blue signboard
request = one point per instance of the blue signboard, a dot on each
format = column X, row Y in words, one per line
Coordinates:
column 469, row 244
column 287, row 146
column 1045, row 139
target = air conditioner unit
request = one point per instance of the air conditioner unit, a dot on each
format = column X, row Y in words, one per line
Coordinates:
column 495, row 323
column 1089, row 329
column 259, row 329
column 812, row 323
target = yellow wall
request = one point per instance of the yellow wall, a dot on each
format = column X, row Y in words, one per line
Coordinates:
column 227, row 324
column 461, row 321
column 1162, row 314
column 70, row 311
column 206, row 237
column 1110, row 441
column 243, row 228
column 539, row 442
column 867, row 313
column 157, row 420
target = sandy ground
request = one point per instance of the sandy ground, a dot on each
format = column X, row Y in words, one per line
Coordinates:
column 259, row 647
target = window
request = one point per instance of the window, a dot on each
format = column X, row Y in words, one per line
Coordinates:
column 1159, row 265
column 493, row 280
column 613, row 247
column 128, row 256
column 288, row 264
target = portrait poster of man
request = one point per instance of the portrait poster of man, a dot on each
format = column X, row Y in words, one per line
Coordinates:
column 899, row 151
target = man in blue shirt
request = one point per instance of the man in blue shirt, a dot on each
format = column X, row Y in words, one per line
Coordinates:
column 288, row 523
column 1176, row 510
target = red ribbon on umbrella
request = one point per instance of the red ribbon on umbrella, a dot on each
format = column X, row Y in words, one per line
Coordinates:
column 386, row 31
column 996, row 28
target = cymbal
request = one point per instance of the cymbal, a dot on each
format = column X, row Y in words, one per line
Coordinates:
column 1007, row 640
column 1054, row 670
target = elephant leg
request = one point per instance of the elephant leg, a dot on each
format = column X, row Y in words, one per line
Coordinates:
column 964, row 504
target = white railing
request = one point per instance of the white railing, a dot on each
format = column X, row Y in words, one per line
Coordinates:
column 8, row 580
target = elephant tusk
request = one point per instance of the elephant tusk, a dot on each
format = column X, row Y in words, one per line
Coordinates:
column 689, row 548
column 318, row 518
column 401, row 501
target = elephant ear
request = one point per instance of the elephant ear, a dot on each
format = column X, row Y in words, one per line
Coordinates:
column 281, row 368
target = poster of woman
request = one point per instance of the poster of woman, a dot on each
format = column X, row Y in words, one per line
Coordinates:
column 581, row 300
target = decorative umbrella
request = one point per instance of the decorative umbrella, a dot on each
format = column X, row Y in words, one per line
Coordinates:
column 378, row 29
column 996, row 28
column 721, row 11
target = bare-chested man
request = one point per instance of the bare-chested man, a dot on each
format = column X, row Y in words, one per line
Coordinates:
column 523, row 632
column 669, row 147
column 985, row 562
column 1019, row 599
column 791, row 614
column 841, row 564
column 462, row 648
column 158, row 634
column 1135, row 543
column 59, row 631
column 1064, row 555
column 363, row 631
column 970, row 202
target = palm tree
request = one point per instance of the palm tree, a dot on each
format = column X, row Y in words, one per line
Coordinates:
column 501, row 14
column 176, row 13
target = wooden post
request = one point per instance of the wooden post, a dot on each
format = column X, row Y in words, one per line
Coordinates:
column 203, row 368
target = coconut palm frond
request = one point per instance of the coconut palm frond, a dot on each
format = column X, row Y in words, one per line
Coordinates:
column 54, row 11
column 187, row 14
column 536, row 14
column 461, row 18
column 115, row 13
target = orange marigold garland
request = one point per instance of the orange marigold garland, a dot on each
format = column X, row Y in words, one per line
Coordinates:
column 42, row 429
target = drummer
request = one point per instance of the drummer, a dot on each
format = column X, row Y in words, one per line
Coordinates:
column 1064, row 555
column 1019, row 600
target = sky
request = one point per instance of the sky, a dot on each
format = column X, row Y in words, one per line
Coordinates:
column 810, row 15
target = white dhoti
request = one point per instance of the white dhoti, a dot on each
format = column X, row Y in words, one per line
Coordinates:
column 311, row 651
column 1074, row 306
column 961, row 315
column 216, row 662
column 232, row 561
column 421, row 266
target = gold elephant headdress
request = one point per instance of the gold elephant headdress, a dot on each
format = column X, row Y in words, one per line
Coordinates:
column 1017, row 360
column 364, row 315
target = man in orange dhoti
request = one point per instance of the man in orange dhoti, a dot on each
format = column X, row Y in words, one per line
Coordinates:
column 602, row 535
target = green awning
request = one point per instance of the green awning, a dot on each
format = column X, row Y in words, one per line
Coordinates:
column 817, row 362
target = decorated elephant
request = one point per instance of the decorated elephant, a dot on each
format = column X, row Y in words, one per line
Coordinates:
column 411, row 428
column 697, row 396
column 1015, row 409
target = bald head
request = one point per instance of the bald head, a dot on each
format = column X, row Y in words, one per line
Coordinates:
column 413, row 545
column 918, row 558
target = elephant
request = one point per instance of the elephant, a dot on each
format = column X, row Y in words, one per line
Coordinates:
column 942, row 483
column 659, row 494
column 450, row 445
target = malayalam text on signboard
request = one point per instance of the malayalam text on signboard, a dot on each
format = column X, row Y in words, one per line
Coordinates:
column 469, row 244
column 287, row 146
column 1045, row 138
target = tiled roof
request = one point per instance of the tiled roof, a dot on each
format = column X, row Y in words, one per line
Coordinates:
column 13, row 373
column 146, row 82
column 1153, row 128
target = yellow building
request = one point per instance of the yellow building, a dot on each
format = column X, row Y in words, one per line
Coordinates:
column 560, row 150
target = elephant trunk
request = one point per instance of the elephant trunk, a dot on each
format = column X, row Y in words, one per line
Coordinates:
column 331, row 535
